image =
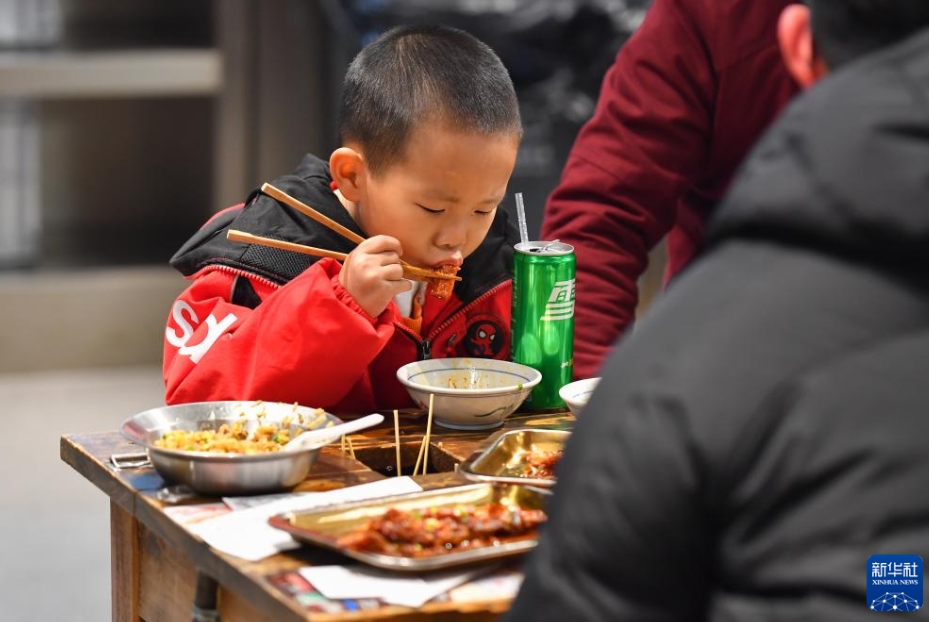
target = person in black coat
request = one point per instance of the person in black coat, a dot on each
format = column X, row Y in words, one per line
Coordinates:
column 765, row 430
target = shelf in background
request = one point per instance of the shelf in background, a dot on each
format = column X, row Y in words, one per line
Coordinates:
column 122, row 73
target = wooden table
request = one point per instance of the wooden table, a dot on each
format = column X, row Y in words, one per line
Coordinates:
column 159, row 569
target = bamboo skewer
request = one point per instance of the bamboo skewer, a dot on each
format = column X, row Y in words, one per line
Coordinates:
column 424, row 446
column 410, row 272
column 428, row 432
column 419, row 457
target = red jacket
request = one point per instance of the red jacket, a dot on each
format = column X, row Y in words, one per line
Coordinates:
column 687, row 97
column 258, row 323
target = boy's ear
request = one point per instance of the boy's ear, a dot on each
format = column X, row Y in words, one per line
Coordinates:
column 795, row 37
column 348, row 169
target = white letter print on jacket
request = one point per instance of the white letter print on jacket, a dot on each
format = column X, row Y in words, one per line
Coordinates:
column 213, row 330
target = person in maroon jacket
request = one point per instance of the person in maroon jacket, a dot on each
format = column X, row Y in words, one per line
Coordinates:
column 762, row 433
column 430, row 130
column 685, row 99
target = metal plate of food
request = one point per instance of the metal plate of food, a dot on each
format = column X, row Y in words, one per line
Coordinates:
column 428, row 530
column 523, row 456
column 184, row 444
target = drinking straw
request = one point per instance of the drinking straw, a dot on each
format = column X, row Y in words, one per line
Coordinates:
column 521, row 218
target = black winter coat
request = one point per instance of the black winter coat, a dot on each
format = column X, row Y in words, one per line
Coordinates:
column 766, row 427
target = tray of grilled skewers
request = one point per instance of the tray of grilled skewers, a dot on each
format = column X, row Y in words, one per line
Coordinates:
column 528, row 457
column 427, row 530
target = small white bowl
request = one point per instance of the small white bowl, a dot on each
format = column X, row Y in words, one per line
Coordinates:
column 576, row 394
column 470, row 393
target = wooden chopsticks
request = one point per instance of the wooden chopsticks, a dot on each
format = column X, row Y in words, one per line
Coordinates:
column 306, row 210
column 410, row 272
column 241, row 236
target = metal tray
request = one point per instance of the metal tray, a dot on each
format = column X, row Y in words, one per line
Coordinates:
column 504, row 459
column 226, row 474
column 323, row 527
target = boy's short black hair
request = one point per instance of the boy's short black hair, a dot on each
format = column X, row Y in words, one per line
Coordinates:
column 846, row 29
column 412, row 74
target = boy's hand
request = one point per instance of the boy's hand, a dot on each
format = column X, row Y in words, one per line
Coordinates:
column 373, row 275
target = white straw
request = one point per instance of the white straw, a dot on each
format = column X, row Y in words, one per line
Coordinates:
column 521, row 218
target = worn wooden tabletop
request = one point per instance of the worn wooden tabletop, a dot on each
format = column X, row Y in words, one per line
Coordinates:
column 148, row 547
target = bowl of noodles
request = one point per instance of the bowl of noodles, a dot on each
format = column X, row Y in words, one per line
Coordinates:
column 468, row 393
column 228, row 448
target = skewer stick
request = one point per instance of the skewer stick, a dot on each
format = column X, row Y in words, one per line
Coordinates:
column 424, row 446
column 419, row 458
column 397, row 438
column 428, row 432
column 351, row 448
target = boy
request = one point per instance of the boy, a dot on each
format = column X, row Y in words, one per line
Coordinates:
column 430, row 129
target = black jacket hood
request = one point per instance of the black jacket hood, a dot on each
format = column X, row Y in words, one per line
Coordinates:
column 846, row 167
column 489, row 265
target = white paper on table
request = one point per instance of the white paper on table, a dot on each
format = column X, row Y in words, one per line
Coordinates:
column 354, row 582
column 503, row 584
column 247, row 534
column 190, row 514
column 245, row 503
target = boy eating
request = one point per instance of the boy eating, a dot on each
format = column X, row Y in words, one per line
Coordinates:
column 430, row 130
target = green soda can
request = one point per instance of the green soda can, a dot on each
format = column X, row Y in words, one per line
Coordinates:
column 543, row 317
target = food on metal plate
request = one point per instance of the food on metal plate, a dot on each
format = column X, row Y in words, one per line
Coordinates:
column 227, row 439
column 237, row 437
column 541, row 464
column 442, row 288
column 443, row 529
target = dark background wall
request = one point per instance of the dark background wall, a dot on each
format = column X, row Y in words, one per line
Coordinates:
column 556, row 51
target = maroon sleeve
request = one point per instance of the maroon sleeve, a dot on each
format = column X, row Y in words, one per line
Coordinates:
column 644, row 147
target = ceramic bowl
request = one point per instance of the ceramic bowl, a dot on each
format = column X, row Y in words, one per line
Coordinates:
column 470, row 393
column 576, row 394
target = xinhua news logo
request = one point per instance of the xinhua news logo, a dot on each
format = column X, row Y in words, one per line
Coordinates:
column 895, row 583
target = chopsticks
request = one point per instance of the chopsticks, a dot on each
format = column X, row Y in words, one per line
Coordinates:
column 410, row 272
column 276, row 193
column 306, row 210
column 241, row 236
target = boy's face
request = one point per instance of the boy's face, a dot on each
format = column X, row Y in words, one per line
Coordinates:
column 440, row 200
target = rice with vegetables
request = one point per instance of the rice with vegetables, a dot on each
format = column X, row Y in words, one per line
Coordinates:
column 228, row 439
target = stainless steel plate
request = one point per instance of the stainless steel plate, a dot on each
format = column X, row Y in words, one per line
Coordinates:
column 506, row 457
column 227, row 474
column 323, row 527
